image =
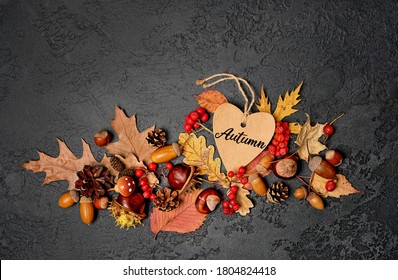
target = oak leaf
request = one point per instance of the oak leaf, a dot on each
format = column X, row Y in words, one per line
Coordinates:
column 63, row 167
column 242, row 199
column 198, row 154
column 285, row 105
column 343, row 186
column 210, row 100
column 295, row 127
column 131, row 140
column 264, row 104
column 185, row 218
column 308, row 139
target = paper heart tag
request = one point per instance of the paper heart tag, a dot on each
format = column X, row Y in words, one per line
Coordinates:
column 238, row 145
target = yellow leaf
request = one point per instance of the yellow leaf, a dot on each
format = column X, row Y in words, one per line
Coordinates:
column 242, row 199
column 295, row 128
column 264, row 105
column 308, row 139
column 199, row 155
column 285, row 105
column 343, row 186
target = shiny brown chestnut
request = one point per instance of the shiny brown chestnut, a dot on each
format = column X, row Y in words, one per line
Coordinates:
column 207, row 201
column 180, row 175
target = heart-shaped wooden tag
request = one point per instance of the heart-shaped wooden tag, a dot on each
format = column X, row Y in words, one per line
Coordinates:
column 239, row 144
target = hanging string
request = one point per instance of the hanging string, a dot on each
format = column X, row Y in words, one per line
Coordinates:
column 238, row 80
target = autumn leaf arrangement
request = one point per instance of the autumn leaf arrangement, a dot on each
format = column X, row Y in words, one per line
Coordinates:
column 141, row 168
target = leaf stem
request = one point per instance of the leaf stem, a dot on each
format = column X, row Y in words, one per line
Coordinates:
column 337, row 118
column 205, row 128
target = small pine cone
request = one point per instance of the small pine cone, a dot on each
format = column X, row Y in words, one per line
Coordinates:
column 157, row 138
column 277, row 193
column 126, row 172
column 166, row 199
column 117, row 164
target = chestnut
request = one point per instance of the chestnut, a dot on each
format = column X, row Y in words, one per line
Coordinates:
column 135, row 202
column 180, row 175
column 207, row 201
column 102, row 138
column 286, row 168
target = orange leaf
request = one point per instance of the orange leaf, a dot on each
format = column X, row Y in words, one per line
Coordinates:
column 210, row 100
column 343, row 186
column 63, row 167
column 185, row 218
column 131, row 140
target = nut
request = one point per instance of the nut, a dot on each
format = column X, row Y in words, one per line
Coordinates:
column 286, row 168
column 86, row 210
column 207, row 201
column 134, row 203
column 68, row 199
column 322, row 167
column 166, row 153
column 334, row 157
column 315, row 201
column 102, row 138
column 258, row 185
column 180, row 175
column 101, row 202
column 301, row 193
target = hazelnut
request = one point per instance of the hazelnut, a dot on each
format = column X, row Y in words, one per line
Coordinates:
column 101, row 202
column 102, row 138
column 334, row 157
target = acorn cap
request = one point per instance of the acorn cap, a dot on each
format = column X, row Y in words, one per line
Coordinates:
column 314, row 163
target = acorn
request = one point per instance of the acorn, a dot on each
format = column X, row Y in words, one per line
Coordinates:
column 86, row 210
column 166, row 153
column 258, row 185
column 322, row 167
column 265, row 163
column 286, row 168
column 180, row 176
column 334, row 157
column 315, row 201
column 207, row 201
column 68, row 199
column 301, row 193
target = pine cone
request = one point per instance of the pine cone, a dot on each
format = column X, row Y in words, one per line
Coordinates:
column 277, row 193
column 93, row 181
column 157, row 138
column 166, row 199
column 126, row 172
column 117, row 164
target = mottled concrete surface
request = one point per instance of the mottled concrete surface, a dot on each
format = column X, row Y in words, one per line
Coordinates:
column 64, row 65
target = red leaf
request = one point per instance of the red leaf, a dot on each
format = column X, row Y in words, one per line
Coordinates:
column 183, row 219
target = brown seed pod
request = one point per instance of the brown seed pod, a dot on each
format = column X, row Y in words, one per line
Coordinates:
column 86, row 210
column 68, row 199
column 315, row 201
column 322, row 167
column 166, row 153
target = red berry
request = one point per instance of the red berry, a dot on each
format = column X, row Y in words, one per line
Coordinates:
column 139, row 173
column 328, row 129
column 204, row 117
column 279, row 129
column 242, row 170
column 146, row 194
column 280, row 137
column 194, row 115
column 275, row 142
column 239, row 175
column 233, row 202
column 143, row 181
column 188, row 128
column 196, row 125
column 231, row 174
column 187, row 118
column 231, row 211
column 278, row 124
column 152, row 197
column 225, row 211
column 244, row 180
column 144, row 188
column 231, row 195
column 330, row 186
column 200, row 110
column 225, row 204
column 285, row 125
column 271, row 148
column 234, row 189
column 190, row 121
column 272, row 152
column 169, row 166
column 282, row 144
column 283, row 151
column 236, row 207
column 277, row 153
column 152, row 166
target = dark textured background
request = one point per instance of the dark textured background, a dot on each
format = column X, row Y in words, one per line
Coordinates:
column 64, row 65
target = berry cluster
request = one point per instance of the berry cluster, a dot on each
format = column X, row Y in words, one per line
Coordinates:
column 195, row 118
column 240, row 175
column 229, row 207
column 144, row 184
column 280, row 144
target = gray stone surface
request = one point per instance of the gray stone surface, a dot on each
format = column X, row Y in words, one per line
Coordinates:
column 64, row 65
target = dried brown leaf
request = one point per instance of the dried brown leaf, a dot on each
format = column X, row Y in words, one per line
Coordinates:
column 210, row 100
column 343, row 186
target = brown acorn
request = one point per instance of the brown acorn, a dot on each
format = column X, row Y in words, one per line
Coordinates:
column 265, row 163
column 258, row 185
column 315, row 201
column 68, row 199
column 166, row 153
column 322, row 167
column 301, row 193
column 86, row 210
